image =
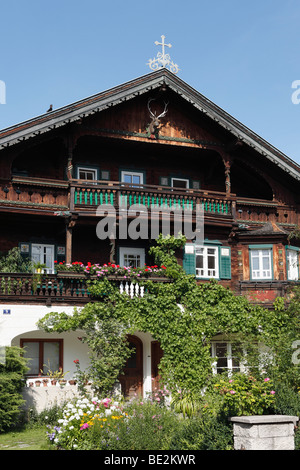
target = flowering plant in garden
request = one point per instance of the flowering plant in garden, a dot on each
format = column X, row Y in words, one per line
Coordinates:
column 160, row 395
column 110, row 269
column 81, row 415
column 246, row 395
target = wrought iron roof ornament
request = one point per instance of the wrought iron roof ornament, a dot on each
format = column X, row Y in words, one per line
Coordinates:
column 162, row 59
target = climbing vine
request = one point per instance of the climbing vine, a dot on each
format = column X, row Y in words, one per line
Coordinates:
column 181, row 314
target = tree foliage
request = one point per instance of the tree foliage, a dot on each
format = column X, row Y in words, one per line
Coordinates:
column 12, row 370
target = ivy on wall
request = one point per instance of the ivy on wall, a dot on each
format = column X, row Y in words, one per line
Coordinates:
column 182, row 315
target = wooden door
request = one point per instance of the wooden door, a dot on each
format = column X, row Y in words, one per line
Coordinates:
column 156, row 355
column 131, row 379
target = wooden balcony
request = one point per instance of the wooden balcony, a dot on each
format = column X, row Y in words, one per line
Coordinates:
column 259, row 211
column 86, row 196
column 29, row 193
column 60, row 288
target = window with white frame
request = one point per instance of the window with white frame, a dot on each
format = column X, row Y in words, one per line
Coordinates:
column 227, row 357
column 180, row 183
column 207, row 262
column 86, row 173
column 132, row 257
column 132, row 177
column 261, row 263
column 44, row 255
column 292, row 259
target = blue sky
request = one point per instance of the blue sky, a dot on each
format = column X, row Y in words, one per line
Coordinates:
column 244, row 56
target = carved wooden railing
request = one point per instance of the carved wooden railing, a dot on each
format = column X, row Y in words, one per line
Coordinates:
column 260, row 211
column 86, row 195
column 37, row 193
column 61, row 287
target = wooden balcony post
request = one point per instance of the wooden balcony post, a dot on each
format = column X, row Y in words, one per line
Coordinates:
column 70, row 224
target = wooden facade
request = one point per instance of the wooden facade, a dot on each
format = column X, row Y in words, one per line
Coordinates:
column 57, row 169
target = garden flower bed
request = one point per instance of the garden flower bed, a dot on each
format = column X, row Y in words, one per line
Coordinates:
column 88, row 424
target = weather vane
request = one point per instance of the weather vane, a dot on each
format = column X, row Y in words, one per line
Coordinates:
column 162, row 59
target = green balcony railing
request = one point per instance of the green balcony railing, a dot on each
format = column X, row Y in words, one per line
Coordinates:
column 87, row 194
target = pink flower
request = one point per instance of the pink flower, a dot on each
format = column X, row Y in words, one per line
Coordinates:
column 266, row 379
column 84, row 426
column 272, row 392
column 232, row 392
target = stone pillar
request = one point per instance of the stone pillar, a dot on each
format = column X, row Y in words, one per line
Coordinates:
column 265, row 432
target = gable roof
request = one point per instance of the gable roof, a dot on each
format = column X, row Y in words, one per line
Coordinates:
column 129, row 90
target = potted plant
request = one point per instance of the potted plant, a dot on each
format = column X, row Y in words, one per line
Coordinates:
column 55, row 376
column 39, row 267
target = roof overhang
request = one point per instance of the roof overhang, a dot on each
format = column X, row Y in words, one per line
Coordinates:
column 130, row 90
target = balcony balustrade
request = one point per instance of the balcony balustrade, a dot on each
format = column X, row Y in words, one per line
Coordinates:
column 63, row 287
column 87, row 195
column 37, row 193
column 84, row 196
column 260, row 211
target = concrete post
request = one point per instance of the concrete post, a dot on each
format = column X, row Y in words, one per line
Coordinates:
column 265, row 432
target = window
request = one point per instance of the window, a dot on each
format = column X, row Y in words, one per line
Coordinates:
column 207, row 265
column 292, row 260
column 132, row 178
column 43, row 254
column 86, row 173
column 261, row 263
column 132, row 257
column 180, row 183
column 227, row 357
column 42, row 355
column 211, row 260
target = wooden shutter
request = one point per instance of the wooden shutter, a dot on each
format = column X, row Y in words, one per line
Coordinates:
column 189, row 259
column 225, row 262
column 25, row 249
column 60, row 253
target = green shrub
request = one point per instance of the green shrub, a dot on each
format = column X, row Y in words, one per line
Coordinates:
column 12, row 372
column 246, row 395
column 287, row 402
column 203, row 433
column 149, row 426
column 14, row 262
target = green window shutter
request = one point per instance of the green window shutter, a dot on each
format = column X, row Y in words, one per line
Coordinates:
column 225, row 262
column 189, row 259
column 60, row 253
column 25, row 249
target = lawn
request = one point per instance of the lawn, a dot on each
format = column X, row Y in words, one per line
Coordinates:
column 27, row 438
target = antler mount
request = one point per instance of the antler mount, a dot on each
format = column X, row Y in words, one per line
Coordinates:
column 155, row 120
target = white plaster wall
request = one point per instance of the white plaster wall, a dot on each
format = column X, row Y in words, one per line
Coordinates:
column 21, row 323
